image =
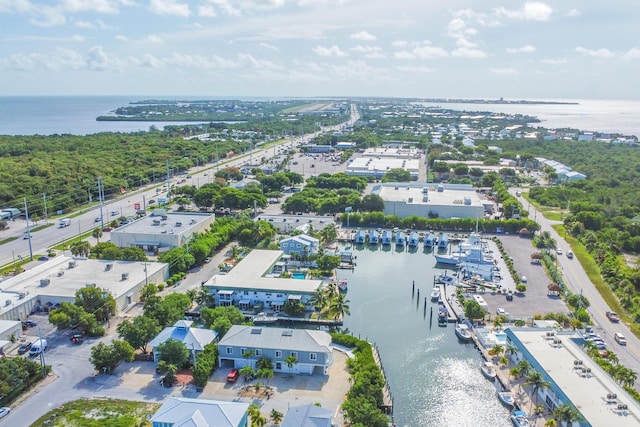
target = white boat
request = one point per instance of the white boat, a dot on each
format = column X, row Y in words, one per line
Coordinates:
column 263, row 319
column 463, row 332
column 342, row 285
column 435, row 293
column 506, row 398
column 488, row 371
column 519, row 419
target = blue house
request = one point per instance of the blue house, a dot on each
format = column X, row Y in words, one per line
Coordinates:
column 312, row 348
column 180, row 411
column 300, row 244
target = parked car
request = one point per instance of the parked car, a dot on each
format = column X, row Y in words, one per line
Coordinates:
column 559, row 251
column 233, row 375
column 25, row 347
column 77, row 339
column 4, row 411
column 28, row 324
column 501, row 311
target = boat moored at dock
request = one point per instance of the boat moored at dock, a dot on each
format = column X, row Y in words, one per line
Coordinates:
column 519, row 419
column 435, row 293
column 506, row 398
column 463, row 332
column 488, row 371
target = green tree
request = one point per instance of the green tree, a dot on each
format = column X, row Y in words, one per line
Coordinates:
column 276, row 417
column 536, row 381
column 290, row 360
column 138, row 332
column 372, row 203
column 173, row 352
column 80, row 248
column 328, row 263
column 567, row 414
column 360, row 411
column 105, row 358
column 397, row 175
column 96, row 301
column 473, row 310
column 339, row 306
column 97, row 234
column 168, row 310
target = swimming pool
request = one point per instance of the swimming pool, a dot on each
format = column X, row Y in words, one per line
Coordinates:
column 299, row 275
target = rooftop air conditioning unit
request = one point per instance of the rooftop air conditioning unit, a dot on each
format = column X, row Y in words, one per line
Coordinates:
column 108, row 267
column 72, row 264
column 7, row 302
column 125, row 276
column 178, row 224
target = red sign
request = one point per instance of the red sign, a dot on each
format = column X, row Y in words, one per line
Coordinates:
column 136, row 206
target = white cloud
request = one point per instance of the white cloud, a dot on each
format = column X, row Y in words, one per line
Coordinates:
column 97, row 59
column 414, row 69
column 48, row 17
column 99, row 6
column 207, row 11
column 84, row 24
column 503, row 71
column 522, row 49
column 333, row 51
column 268, row 46
column 122, row 38
column 15, row 6
column 365, row 49
column 557, row 61
column 531, row 11
column 633, row 53
column 427, row 51
column 363, row 35
column 573, row 12
column 169, row 7
column 226, row 7
column 403, row 54
column 400, row 43
column 152, row 38
column 465, row 52
column 597, row 53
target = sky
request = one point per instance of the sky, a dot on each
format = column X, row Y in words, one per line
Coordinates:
column 555, row 49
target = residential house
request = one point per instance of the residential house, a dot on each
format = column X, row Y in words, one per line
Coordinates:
column 307, row 416
column 181, row 412
column 193, row 338
column 301, row 244
column 312, row 348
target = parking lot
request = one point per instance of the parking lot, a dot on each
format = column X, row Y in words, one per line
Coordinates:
column 536, row 299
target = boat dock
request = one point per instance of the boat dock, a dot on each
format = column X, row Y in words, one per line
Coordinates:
column 387, row 400
column 453, row 309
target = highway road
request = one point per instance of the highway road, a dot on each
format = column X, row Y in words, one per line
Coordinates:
column 578, row 282
column 85, row 220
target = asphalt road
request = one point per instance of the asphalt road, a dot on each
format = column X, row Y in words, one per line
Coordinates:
column 578, row 282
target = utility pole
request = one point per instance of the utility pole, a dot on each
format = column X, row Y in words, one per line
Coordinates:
column 26, row 214
column 168, row 183
column 44, row 196
column 101, row 197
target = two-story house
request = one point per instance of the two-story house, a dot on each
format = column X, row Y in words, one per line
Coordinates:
column 312, row 349
column 194, row 339
column 180, row 411
column 301, row 244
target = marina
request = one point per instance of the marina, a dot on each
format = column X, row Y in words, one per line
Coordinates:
column 389, row 293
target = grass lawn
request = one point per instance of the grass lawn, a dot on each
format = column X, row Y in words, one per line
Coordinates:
column 99, row 413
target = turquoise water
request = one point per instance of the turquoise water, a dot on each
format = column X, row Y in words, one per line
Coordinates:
column 434, row 379
column 299, row 275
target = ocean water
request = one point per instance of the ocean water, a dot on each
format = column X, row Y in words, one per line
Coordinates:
column 77, row 115
column 435, row 380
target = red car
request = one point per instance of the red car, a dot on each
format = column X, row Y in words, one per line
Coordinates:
column 233, row 375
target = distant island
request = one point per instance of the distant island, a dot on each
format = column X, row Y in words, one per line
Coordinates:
column 495, row 101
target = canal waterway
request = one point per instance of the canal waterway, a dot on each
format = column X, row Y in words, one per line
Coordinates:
column 434, row 379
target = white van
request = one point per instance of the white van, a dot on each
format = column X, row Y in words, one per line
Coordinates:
column 38, row 347
column 620, row 339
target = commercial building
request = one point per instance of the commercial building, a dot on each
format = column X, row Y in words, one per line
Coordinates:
column 375, row 162
column 255, row 282
column 430, row 200
column 161, row 231
column 574, row 378
column 45, row 286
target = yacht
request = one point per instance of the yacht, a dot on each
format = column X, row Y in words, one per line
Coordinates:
column 435, row 293
column 463, row 332
column 488, row 371
column 506, row 398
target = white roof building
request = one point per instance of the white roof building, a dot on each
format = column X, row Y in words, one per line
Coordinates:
column 184, row 412
column 422, row 199
column 574, row 377
column 161, row 230
column 57, row 280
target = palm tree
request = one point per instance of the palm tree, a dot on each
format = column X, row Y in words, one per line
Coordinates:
column 496, row 350
column 257, row 420
column 192, row 294
column 567, row 414
column 266, row 375
column 235, row 250
column 80, row 248
column 510, row 351
column 97, row 233
column 318, row 299
column 204, row 297
column 524, row 368
column 339, row 306
column 537, row 383
column 328, row 234
column 290, row 361
column 276, row 417
column 551, row 423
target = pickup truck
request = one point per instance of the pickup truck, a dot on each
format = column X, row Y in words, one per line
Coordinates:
column 613, row 316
